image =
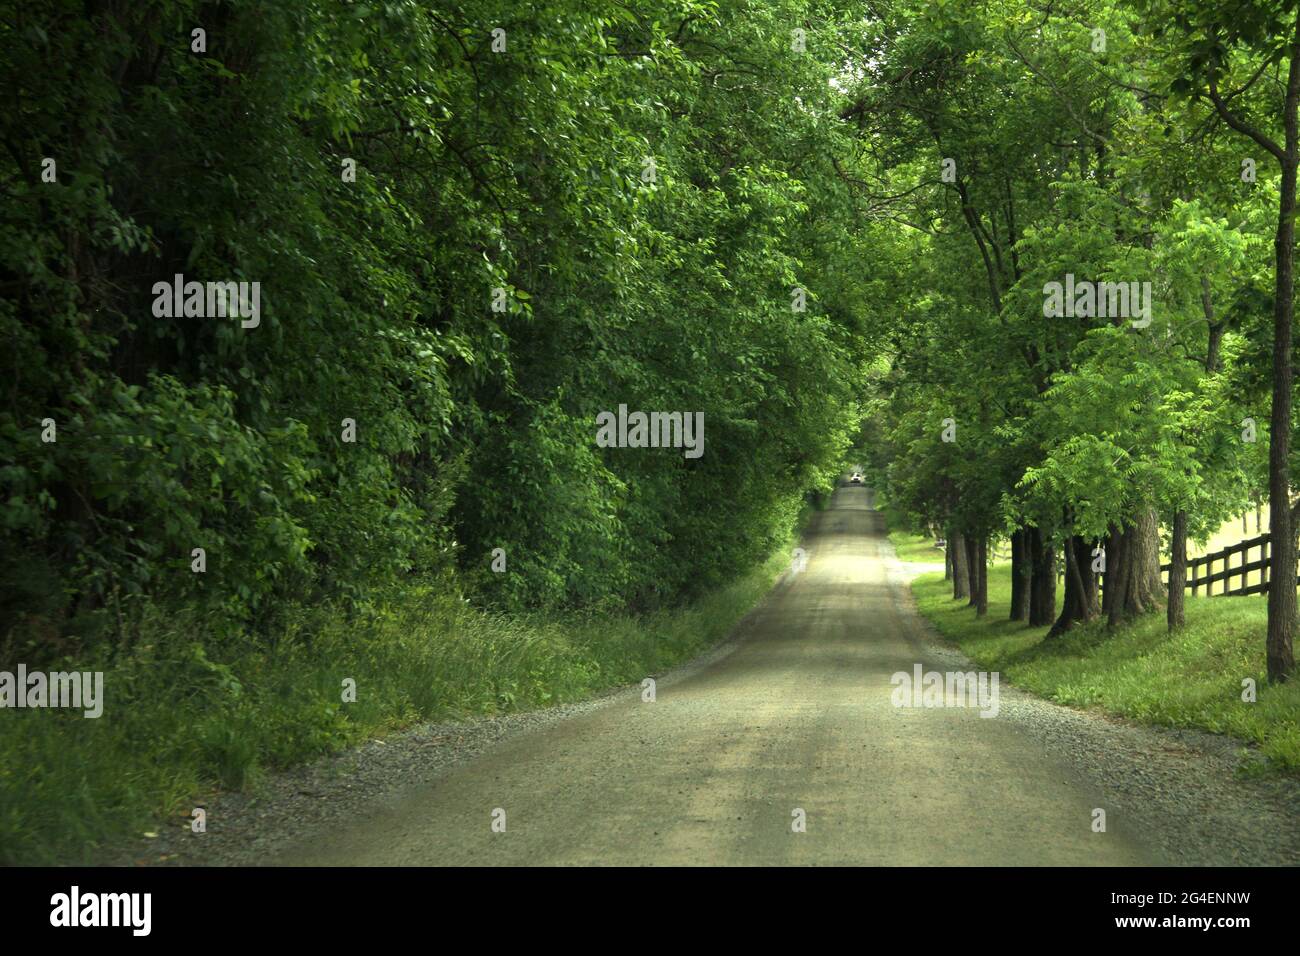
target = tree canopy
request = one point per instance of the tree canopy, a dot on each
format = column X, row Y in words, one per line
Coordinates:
column 1044, row 251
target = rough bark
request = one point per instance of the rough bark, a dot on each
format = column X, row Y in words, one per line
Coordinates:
column 1080, row 603
column 960, row 580
column 1177, row 571
column 1042, row 580
column 1021, row 570
column 982, row 576
column 1146, row 557
column 1120, row 600
column 972, row 569
column 1133, row 584
column 1113, row 549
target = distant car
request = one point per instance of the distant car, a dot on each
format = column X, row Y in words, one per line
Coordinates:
column 855, row 479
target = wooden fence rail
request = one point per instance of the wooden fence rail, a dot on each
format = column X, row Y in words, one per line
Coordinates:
column 1201, row 571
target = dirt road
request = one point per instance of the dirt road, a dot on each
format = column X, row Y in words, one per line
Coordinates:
column 798, row 716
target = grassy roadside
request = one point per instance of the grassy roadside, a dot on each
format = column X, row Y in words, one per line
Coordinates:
column 180, row 721
column 920, row 549
column 915, row 548
column 1193, row 679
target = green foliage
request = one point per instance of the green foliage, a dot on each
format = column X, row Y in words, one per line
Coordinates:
column 1076, row 424
column 475, row 170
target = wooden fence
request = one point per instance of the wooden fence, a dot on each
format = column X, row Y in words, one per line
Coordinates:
column 1201, row 571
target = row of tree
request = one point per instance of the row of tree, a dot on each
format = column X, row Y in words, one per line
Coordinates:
column 1095, row 312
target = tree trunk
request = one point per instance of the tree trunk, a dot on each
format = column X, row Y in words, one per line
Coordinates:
column 1146, row 557
column 1120, row 602
column 947, row 560
column 1281, row 592
column 1080, row 604
column 1087, row 577
column 1113, row 549
column 1021, row 570
column 1133, row 584
column 982, row 576
column 1177, row 571
column 1282, row 566
column 960, row 581
column 1042, row 581
column 972, row 570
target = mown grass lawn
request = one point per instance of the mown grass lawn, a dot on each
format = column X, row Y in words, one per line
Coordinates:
column 1191, row 679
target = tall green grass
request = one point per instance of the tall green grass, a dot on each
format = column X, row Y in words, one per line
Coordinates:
column 1190, row 679
column 181, row 719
